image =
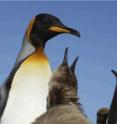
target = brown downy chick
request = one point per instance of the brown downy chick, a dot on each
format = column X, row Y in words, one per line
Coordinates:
column 102, row 115
column 63, row 85
column 63, row 114
column 63, row 101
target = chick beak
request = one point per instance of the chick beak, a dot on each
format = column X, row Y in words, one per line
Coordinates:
column 64, row 29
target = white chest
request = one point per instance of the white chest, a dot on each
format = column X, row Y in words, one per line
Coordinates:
column 27, row 99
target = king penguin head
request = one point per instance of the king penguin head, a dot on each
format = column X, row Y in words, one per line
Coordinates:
column 42, row 28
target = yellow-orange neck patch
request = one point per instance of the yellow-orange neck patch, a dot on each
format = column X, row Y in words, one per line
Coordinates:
column 37, row 56
column 29, row 90
column 38, row 62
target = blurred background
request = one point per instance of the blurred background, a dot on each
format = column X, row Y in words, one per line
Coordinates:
column 97, row 23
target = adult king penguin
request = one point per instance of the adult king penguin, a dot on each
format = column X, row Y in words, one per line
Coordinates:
column 23, row 94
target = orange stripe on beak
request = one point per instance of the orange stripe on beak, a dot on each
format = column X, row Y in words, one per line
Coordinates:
column 59, row 29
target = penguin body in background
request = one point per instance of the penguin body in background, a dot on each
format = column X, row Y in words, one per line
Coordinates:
column 109, row 116
column 102, row 115
column 112, row 116
column 63, row 85
column 23, row 94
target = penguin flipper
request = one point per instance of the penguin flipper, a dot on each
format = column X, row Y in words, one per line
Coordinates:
column 26, row 50
column 112, row 118
column 5, row 87
column 3, row 98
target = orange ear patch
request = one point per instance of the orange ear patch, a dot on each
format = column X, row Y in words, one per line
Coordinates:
column 29, row 29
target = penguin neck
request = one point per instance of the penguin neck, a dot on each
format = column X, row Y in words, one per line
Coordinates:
column 36, row 65
column 38, row 58
column 29, row 89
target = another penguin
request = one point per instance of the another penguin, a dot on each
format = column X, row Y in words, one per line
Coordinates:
column 63, row 85
column 23, row 94
column 62, row 114
column 63, row 102
column 102, row 115
column 112, row 117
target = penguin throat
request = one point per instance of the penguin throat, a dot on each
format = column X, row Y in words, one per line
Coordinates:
column 29, row 89
column 38, row 58
column 36, row 64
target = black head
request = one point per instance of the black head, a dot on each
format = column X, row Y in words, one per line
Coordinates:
column 102, row 115
column 44, row 27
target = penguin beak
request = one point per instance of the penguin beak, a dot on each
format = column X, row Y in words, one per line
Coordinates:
column 64, row 29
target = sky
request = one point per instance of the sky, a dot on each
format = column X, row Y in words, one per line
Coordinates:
column 97, row 23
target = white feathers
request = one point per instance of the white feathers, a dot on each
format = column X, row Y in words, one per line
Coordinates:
column 28, row 93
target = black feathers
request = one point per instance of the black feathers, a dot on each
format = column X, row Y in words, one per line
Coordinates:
column 112, row 118
column 102, row 115
column 115, row 73
column 47, row 26
column 65, row 59
column 72, row 68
